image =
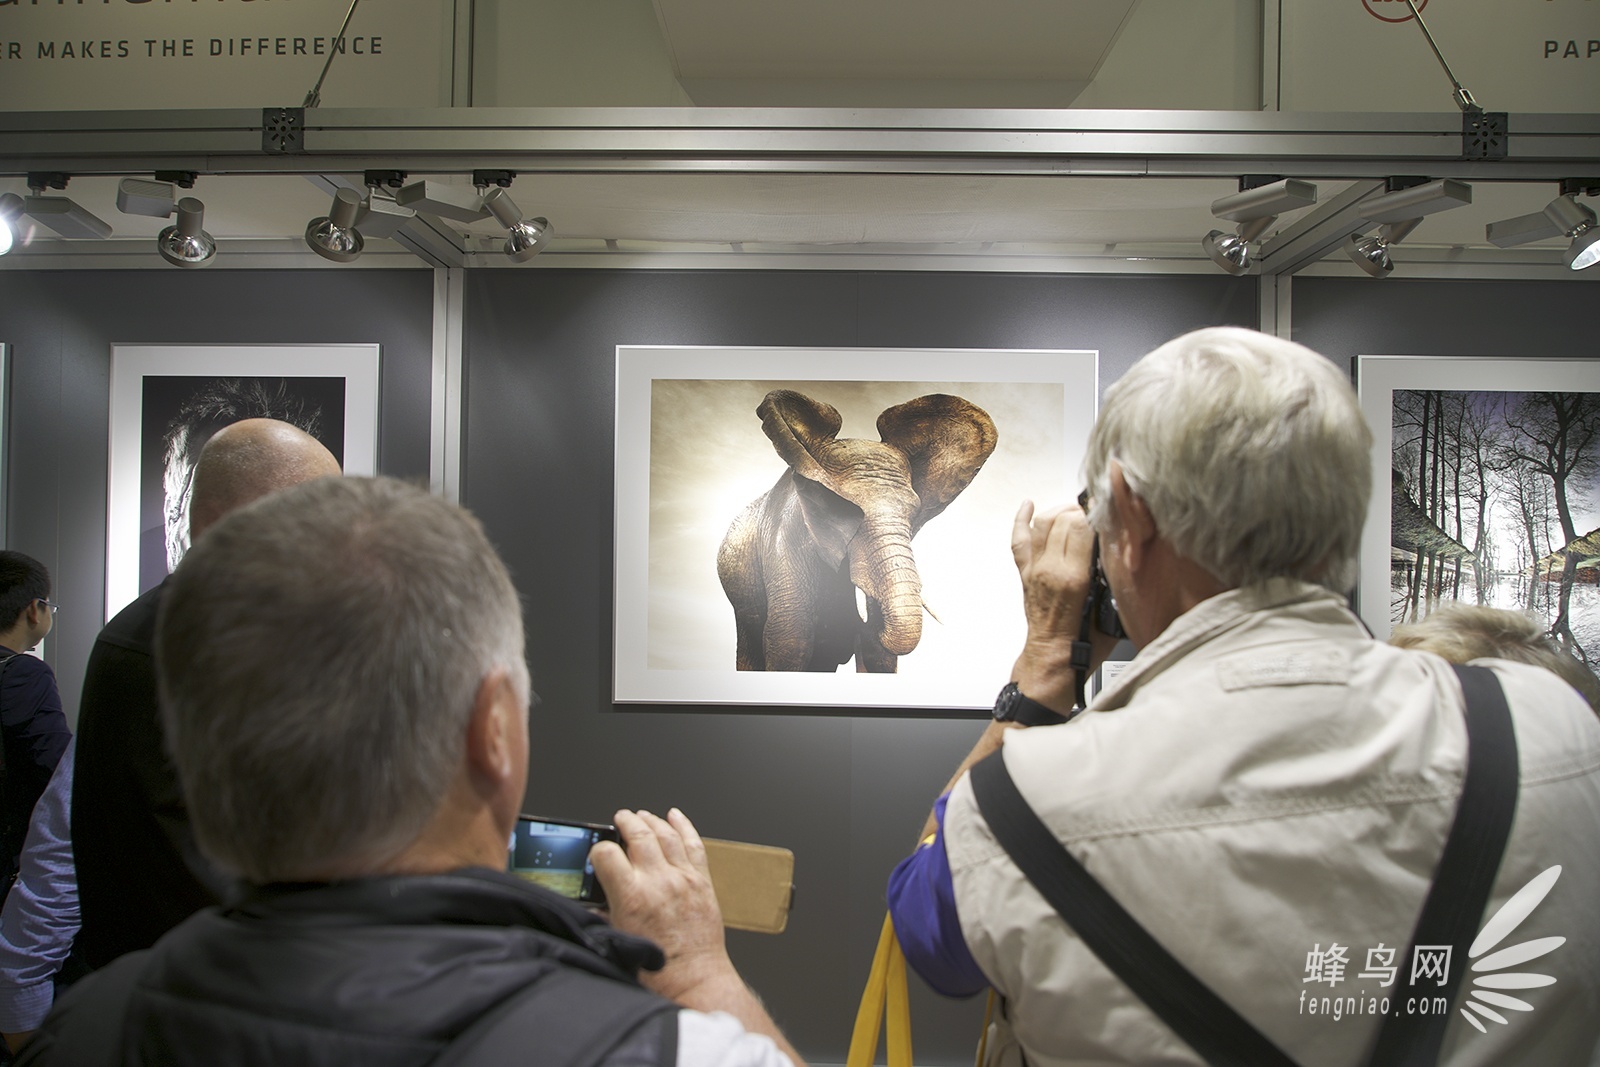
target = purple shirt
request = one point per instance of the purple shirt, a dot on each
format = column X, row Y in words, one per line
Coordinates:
column 922, row 902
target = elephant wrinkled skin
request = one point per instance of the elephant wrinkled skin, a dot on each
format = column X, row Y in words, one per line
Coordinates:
column 841, row 518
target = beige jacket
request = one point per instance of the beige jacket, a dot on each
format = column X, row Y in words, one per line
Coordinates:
column 1267, row 790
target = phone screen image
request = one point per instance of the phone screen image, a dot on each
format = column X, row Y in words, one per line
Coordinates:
column 555, row 855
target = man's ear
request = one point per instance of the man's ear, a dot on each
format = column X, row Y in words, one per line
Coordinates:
column 494, row 733
column 1136, row 527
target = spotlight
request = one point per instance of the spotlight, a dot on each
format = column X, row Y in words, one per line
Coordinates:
column 334, row 236
column 11, row 206
column 1576, row 221
column 1371, row 254
column 1561, row 217
column 61, row 213
column 1400, row 210
column 1585, row 250
column 1231, row 251
column 186, row 244
column 526, row 239
column 1255, row 207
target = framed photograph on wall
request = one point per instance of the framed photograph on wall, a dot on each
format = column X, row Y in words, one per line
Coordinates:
column 1486, row 490
column 831, row 527
column 168, row 400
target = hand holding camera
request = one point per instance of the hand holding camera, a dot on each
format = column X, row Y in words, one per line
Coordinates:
column 1066, row 602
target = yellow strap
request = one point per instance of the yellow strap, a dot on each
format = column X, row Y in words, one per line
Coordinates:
column 885, row 994
column 898, row 1008
column 983, row 1037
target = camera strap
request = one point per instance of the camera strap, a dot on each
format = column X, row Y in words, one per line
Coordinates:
column 1082, row 656
column 1450, row 915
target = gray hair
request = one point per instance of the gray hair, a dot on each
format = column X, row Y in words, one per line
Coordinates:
column 319, row 654
column 1250, row 451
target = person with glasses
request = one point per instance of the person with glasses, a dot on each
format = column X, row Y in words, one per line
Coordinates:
column 33, row 730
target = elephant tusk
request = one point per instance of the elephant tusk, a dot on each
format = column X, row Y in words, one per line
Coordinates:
column 931, row 615
column 861, row 604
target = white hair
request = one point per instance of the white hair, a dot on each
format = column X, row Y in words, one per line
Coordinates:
column 1250, row 452
column 319, row 653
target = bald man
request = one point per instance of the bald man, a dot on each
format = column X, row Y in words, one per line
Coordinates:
column 139, row 872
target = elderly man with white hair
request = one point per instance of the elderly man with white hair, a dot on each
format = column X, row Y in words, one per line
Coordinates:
column 1225, row 858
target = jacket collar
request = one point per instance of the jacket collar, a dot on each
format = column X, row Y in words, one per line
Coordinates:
column 1210, row 619
column 471, row 896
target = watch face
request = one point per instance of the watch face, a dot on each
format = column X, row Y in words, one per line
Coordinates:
column 1006, row 704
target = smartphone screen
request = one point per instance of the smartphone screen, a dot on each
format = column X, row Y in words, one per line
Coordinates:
column 555, row 855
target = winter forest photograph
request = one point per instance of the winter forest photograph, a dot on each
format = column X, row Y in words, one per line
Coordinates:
column 1496, row 501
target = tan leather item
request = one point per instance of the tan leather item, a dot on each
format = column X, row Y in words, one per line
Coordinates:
column 754, row 884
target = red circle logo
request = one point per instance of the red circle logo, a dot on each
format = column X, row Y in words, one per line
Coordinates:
column 1378, row 9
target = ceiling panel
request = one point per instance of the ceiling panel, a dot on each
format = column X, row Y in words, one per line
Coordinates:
column 954, row 40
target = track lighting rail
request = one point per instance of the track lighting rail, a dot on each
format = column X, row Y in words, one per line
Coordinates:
column 732, row 140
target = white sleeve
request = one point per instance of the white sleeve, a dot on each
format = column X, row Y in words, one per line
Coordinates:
column 718, row 1039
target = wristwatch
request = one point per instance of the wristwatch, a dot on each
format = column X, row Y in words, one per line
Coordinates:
column 1012, row 706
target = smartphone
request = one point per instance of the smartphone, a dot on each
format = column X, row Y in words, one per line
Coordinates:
column 555, row 854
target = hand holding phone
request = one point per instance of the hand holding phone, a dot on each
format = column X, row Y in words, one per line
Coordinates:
column 660, row 888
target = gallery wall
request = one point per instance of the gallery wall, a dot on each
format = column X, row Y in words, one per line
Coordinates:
column 61, row 326
column 1347, row 317
column 846, row 789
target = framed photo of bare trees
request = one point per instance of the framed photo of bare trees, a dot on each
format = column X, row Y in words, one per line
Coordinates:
column 831, row 527
column 1485, row 489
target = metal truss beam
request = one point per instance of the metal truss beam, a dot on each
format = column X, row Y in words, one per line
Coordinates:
column 798, row 140
column 1317, row 232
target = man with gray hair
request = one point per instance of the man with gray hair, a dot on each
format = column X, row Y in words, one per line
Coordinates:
column 1246, row 821
column 365, row 791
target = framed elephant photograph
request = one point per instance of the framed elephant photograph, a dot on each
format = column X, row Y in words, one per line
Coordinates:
column 830, row 528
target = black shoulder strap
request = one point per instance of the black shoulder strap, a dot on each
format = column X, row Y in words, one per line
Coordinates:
column 1465, row 876
column 1222, row 1036
column 1213, row 1029
column 569, row 1018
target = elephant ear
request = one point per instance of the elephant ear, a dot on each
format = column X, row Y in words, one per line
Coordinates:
column 946, row 439
column 801, row 429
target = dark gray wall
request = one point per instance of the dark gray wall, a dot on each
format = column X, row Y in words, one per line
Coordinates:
column 1346, row 317
column 846, row 791
column 61, row 326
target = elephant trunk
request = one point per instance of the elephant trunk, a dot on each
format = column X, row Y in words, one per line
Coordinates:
column 882, row 566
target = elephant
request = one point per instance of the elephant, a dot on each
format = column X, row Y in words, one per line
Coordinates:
column 841, row 519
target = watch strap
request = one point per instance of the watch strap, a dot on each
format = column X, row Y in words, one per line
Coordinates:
column 1013, row 706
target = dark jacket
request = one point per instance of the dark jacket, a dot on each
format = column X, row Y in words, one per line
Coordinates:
column 139, row 871
column 388, row 971
column 33, row 733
